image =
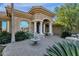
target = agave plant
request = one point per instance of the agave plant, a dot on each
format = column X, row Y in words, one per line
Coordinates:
column 64, row 48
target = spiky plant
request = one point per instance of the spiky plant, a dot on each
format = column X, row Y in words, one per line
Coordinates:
column 64, row 48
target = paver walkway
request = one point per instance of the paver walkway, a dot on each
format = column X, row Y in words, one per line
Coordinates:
column 24, row 48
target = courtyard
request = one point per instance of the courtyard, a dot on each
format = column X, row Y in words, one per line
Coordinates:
column 25, row 48
column 17, row 27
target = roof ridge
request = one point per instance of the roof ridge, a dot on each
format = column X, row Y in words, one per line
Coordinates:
column 42, row 8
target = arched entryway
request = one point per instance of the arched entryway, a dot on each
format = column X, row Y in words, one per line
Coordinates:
column 41, row 27
column 38, row 27
column 46, row 26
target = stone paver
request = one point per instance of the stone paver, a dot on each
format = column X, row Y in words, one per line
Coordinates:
column 24, row 48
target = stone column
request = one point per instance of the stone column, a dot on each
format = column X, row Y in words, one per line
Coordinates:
column 50, row 28
column 44, row 28
column 8, row 26
column 41, row 28
column 35, row 27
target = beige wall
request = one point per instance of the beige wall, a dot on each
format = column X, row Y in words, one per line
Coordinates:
column 57, row 30
column 40, row 16
column 36, row 17
column 17, row 22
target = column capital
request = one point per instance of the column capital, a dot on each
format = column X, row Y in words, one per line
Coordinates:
column 41, row 21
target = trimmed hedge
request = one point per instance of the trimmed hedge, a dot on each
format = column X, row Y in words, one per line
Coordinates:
column 29, row 35
column 20, row 35
column 5, row 37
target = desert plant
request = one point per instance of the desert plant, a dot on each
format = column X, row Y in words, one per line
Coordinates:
column 20, row 35
column 64, row 48
column 5, row 37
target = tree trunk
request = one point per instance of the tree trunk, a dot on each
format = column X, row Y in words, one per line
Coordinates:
column 12, row 23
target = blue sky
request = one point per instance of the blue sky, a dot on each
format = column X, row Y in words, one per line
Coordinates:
column 27, row 6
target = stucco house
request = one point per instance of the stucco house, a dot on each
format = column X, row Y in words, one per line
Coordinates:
column 37, row 20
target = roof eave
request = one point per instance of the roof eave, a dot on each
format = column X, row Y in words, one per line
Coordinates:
column 52, row 14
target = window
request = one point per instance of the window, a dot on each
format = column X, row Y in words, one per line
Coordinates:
column 4, row 25
column 24, row 24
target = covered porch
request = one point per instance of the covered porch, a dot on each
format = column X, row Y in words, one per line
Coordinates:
column 42, row 27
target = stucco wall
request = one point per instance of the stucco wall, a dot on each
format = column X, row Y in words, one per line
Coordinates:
column 40, row 16
column 57, row 30
column 17, row 23
column 37, row 17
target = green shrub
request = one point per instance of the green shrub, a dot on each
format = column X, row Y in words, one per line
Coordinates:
column 65, row 34
column 29, row 35
column 64, row 48
column 20, row 35
column 5, row 37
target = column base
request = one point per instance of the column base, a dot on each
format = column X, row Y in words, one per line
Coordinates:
column 41, row 33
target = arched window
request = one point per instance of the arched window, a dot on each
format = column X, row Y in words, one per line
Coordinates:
column 24, row 24
column 4, row 25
